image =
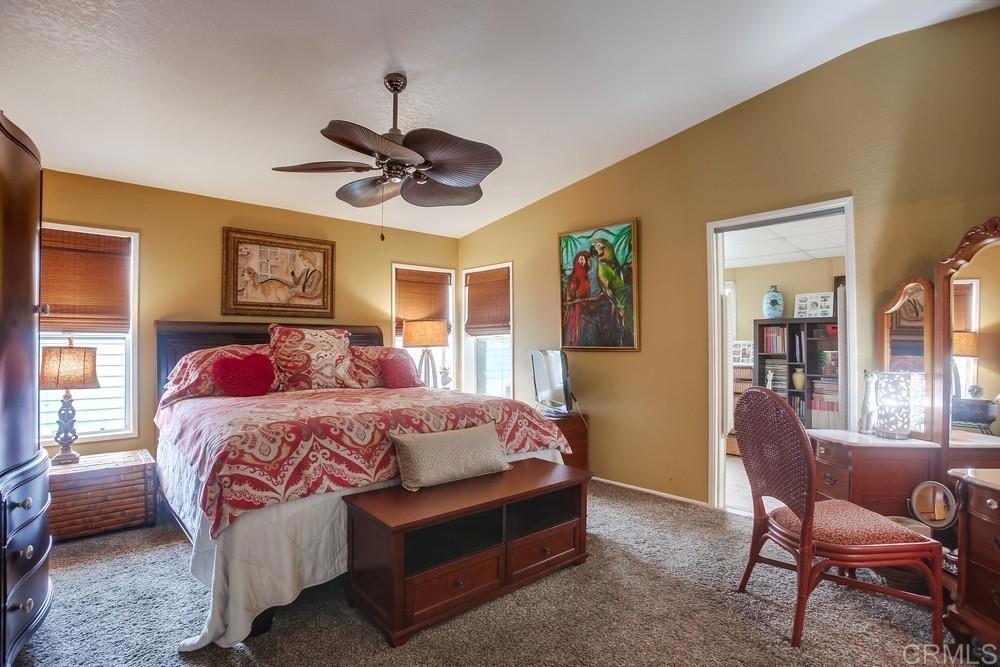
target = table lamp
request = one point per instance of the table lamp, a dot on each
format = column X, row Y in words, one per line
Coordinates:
column 963, row 344
column 426, row 334
column 68, row 368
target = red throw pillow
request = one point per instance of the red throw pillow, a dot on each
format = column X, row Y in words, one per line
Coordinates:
column 250, row 376
column 398, row 369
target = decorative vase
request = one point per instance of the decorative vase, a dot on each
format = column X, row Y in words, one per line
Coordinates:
column 799, row 379
column 774, row 303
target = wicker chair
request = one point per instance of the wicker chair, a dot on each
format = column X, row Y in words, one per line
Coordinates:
column 820, row 535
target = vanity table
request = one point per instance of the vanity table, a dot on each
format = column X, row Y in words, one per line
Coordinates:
column 977, row 608
column 877, row 473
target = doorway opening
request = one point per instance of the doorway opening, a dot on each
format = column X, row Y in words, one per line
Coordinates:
column 781, row 315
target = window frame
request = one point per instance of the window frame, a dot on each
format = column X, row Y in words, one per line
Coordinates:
column 452, row 311
column 469, row 369
column 131, row 340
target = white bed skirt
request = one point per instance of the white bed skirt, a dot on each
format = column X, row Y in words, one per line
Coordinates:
column 270, row 555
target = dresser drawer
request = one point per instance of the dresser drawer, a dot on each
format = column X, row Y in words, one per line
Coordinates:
column 26, row 501
column 431, row 592
column 832, row 452
column 833, row 481
column 28, row 601
column 26, row 548
column 539, row 551
column 984, row 503
column 982, row 590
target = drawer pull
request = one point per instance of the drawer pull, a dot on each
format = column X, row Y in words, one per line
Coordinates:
column 28, row 552
column 547, row 550
column 460, row 584
column 822, row 450
column 829, row 478
column 27, row 606
column 991, row 503
column 26, row 504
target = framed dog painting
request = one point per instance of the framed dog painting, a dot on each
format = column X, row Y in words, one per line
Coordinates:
column 272, row 274
column 600, row 300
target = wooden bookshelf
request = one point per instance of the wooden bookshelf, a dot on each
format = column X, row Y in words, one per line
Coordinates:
column 786, row 344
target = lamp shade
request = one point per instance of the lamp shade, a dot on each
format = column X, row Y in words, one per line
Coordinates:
column 965, row 343
column 69, row 368
column 425, row 333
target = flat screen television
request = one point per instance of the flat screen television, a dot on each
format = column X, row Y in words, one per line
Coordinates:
column 552, row 388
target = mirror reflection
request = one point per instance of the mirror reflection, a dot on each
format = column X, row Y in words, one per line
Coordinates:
column 906, row 345
column 934, row 504
column 975, row 342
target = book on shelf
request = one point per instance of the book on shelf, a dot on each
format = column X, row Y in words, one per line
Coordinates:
column 828, row 363
column 779, row 377
column 772, row 340
column 824, row 408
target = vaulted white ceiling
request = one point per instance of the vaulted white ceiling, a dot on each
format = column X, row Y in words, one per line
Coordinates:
column 206, row 97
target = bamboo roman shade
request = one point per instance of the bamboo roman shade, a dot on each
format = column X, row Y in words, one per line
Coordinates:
column 422, row 295
column 962, row 315
column 487, row 308
column 85, row 282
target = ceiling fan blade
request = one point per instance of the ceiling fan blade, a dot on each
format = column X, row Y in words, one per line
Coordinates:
column 367, row 192
column 361, row 139
column 456, row 161
column 325, row 167
column 431, row 193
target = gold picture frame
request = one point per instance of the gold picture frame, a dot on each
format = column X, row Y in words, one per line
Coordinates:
column 599, row 287
column 265, row 274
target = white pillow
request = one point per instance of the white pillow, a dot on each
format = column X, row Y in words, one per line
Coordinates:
column 428, row 459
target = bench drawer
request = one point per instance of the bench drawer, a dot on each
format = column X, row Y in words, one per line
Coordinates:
column 432, row 592
column 539, row 551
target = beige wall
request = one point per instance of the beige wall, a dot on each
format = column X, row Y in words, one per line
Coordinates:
column 906, row 125
column 985, row 267
column 180, row 260
column 752, row 282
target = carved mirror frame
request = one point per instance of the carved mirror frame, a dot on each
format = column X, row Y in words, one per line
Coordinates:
column 975, row 239
column 884, row 334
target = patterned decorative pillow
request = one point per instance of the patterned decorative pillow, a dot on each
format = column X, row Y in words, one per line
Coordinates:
column 192, row 376
column 398, row 369
column 311, row 358
column 250, row 376
column 429, row 459
column 365, row 367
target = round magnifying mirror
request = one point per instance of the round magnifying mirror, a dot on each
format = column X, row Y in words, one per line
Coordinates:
column 933, row 504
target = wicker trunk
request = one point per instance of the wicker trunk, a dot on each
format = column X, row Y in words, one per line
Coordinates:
column 102, row 492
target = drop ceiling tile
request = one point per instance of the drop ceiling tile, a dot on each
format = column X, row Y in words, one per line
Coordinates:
column 818, row 240
column 832, row 223
column 760, row 249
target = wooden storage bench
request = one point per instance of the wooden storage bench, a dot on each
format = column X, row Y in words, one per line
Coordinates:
column 418, row 558
column 102, row 492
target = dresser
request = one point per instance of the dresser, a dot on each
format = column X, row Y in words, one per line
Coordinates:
column 574, row 427
column 976, row 611
column 24, row 489
column 876, row 473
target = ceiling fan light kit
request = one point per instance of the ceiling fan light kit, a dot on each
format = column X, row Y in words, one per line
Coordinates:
column 426, row 167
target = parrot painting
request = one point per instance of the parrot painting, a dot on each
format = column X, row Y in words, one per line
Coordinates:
column 611, row 281
column 577, row 288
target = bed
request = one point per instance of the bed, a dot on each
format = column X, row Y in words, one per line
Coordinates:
column 257, row 483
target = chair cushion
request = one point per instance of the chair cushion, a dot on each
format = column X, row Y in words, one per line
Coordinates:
column 847, row 524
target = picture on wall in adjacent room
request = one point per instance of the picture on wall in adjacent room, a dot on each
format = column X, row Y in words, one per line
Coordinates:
column 600, row 299
column 742, row 353
column 274, row 274
column 816, row 304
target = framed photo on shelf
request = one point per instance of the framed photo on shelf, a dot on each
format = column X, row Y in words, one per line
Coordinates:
column 814, row 304
column 272, row 274
column 742, row 353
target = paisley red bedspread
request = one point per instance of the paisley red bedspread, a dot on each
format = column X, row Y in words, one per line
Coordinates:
column 257, row 451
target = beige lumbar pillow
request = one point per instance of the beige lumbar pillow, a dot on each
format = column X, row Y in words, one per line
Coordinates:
column 428, row 459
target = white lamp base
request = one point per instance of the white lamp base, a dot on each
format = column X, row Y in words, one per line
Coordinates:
column 428, row 369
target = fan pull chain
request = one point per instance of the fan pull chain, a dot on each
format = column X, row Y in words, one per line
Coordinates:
column 381, row 233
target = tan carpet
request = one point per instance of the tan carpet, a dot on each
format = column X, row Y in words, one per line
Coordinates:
column 658, row 590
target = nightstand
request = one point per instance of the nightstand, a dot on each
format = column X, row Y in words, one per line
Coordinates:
column 101, row 493
column 574, row 427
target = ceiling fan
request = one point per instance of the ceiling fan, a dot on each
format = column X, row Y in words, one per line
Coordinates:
column 426, row 167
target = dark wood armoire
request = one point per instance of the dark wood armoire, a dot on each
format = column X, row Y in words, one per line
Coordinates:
column 24, row 483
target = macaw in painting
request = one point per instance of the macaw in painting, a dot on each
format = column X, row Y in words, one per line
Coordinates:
column 577, row 288
column 610, row 280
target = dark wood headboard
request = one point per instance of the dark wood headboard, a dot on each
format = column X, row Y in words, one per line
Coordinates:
column 175, row 339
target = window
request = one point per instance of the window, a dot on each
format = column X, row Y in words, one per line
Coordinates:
column 88, row 282
column 964, row 318
column 487, row 345
column 425, row 293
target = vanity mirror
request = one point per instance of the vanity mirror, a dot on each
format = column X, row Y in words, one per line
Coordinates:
column 967, row 347
column 906, row 334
